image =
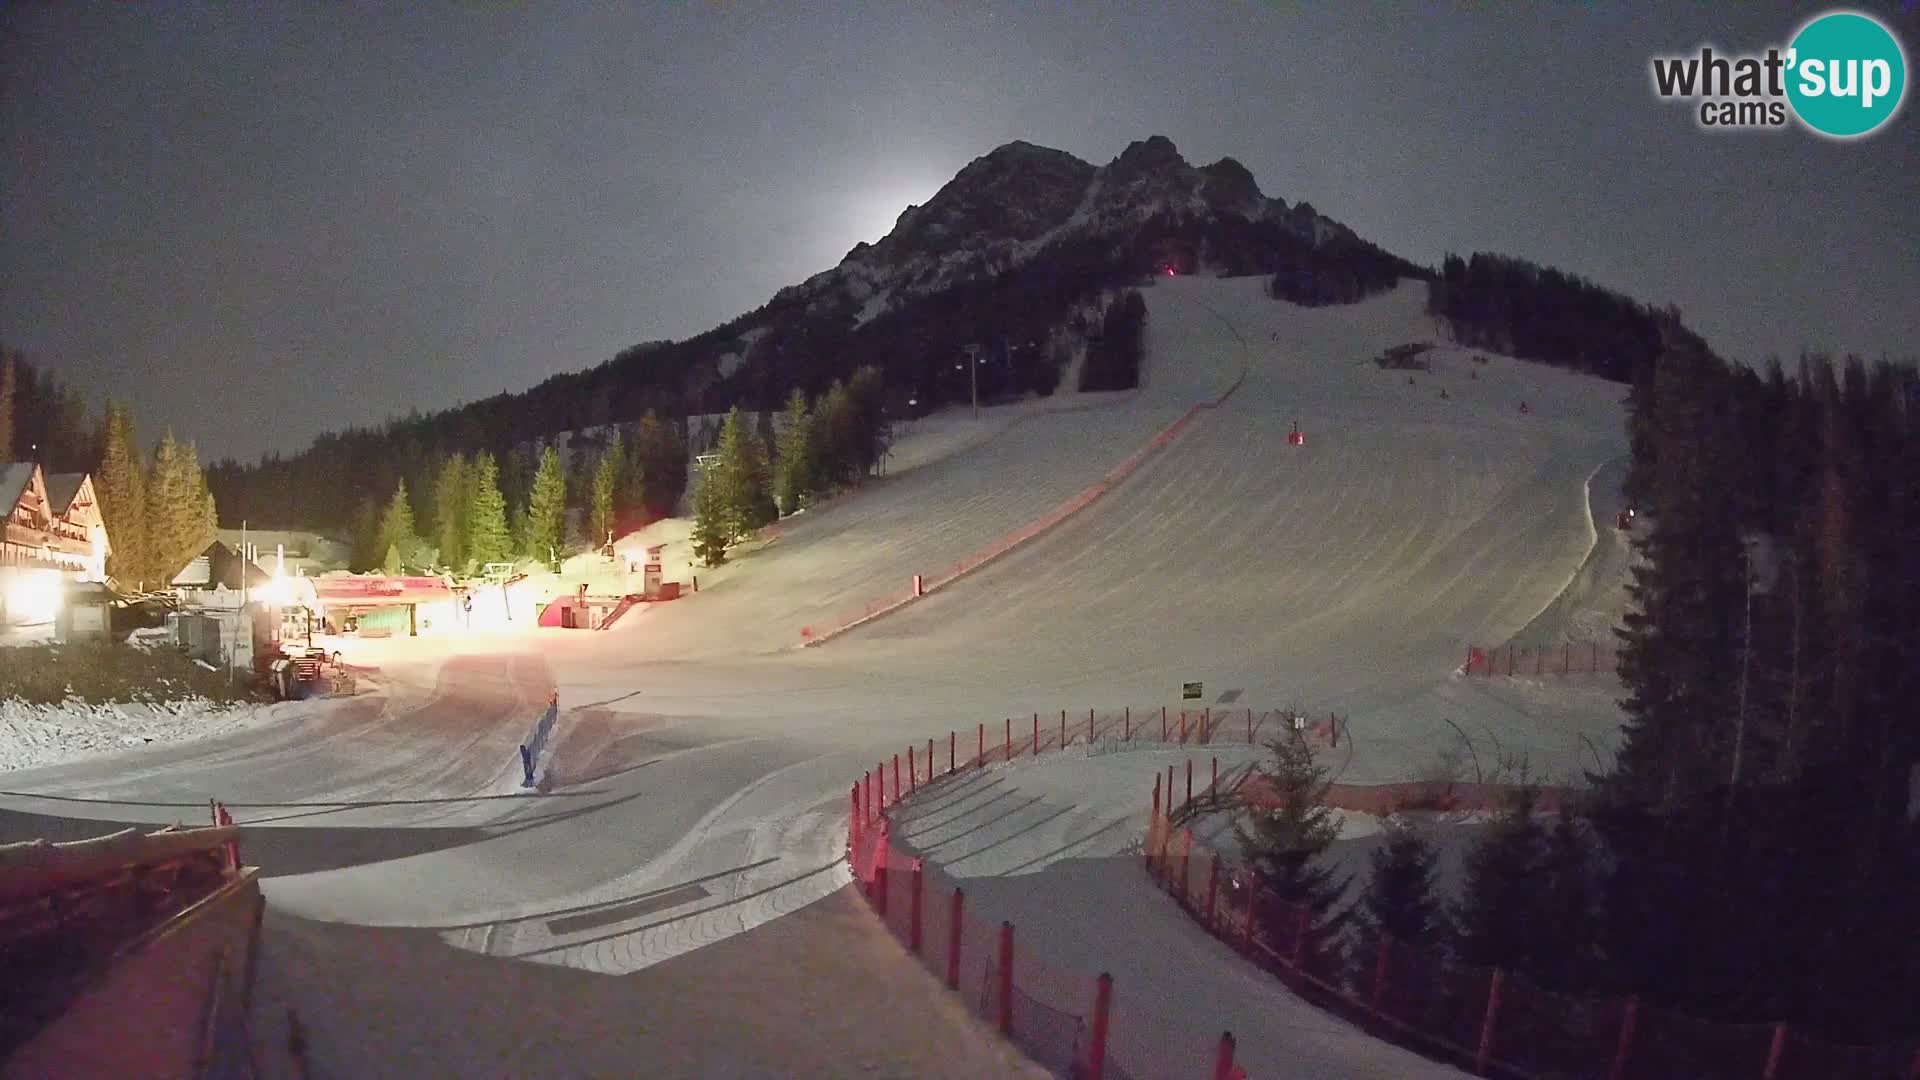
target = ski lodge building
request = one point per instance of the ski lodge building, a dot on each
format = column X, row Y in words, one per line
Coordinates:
column 54, row 534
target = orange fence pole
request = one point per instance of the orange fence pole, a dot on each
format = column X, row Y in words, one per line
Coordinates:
column 1380, row 974
column 953, row 939
column 880, row 874
column 913, row 772
column 1126, row 722
column 1213, row 785
column 1163, row 723
column 1063, row 729
column 913, row 921
column 1189, row 781
column 951, row 739
column 1006, row 979
column 1097, row 1048
column 1009, row 738
column 1492, row 1018
column 896, row 776
column 1153, row 822
column 1249, row 727
column 982, row 758
column 1213, row 888
column 1089, row 726
column 1774, row 1052
column 1223, row 1058
column 1036, row 734
column 1629, row 1012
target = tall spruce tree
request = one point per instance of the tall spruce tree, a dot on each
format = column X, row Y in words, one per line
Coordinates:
column 1401, row 898
column 452, row 496
column 742, row 475
column 1500, row 901
column 608, row 487
column 120, row 484
column 8, row 387
column 1680, row 642
column 797, row 466
column 711, row 519
column 546, row 538
column 180, row 514
column 1285, row 838
column 399, row 542
column 488, row 539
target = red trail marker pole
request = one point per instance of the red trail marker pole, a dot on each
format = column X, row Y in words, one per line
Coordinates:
column 1223, row 1058
column 913, row 922
column 1006, row 978
column 1097, row 1048
column 953, row 939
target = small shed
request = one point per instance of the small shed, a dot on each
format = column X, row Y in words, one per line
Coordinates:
column 86, row 613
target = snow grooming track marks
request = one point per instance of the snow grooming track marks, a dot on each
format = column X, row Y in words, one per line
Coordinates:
column 1032, row 530
column 1345, row 575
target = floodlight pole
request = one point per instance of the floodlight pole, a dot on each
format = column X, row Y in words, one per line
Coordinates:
column 973, row 377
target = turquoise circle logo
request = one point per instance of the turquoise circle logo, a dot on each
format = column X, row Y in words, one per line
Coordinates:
column 1846, row 74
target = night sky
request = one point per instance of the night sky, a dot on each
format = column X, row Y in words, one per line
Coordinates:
column 262, row 222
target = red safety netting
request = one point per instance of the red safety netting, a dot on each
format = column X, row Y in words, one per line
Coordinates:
column 1808, row 1057
column 1415, row 995
column 1543, row 1033
column 1668, row 1044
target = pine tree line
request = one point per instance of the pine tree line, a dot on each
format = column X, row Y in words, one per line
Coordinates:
column 158, row 512
column 479, row 512
column 833, row 441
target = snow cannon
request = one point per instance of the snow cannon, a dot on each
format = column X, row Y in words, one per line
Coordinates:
column 1295, row 437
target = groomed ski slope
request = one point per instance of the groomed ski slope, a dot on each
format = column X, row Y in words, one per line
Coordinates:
column 705, row 757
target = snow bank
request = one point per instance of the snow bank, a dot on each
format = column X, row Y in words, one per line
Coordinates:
column 35, row 735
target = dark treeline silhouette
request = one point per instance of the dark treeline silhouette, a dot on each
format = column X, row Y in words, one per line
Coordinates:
column 46, row 420
column 1026, row 321
column 1768, row 865
column 1538, row 313
column 1113, row 356
column 1343, row 270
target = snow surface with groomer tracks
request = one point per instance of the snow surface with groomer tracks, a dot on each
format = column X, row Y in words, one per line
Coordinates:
column 703, row 758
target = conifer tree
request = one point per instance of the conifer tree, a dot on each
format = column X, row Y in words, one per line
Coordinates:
column 452, row 494
column 1400, row 898
column 179, row 510
column 741, row 471
column 797, row 467
column 608, row 487
column 363, row 530
column 837, row 429
column 1284, row 839
column 8, row 376
column 711, row 522
column 488, row 539
column 398, row 541
column 1680, row 642
column 547, row 511
column 1501, row 896
column 121, row 487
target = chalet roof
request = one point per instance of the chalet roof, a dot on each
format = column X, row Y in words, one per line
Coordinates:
column 61, row 488
column 14, row 479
